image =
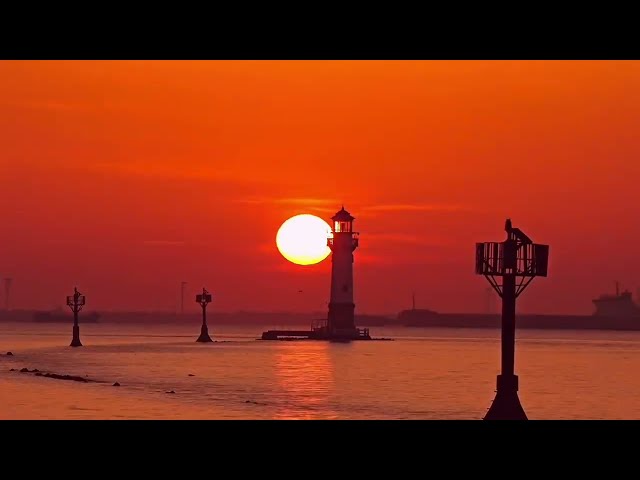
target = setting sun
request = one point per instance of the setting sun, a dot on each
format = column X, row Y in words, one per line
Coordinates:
column 303, row 239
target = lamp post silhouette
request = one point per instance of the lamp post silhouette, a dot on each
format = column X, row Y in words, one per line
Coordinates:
column 75, row 303
column 510, row 266
column 204, row 299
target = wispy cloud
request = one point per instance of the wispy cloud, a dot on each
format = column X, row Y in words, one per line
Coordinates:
column 380, row 260
column 424, row 258
column 163, row 243
column 330, row 205
column 54, row 105
column 417, row 207
column 320, row 268
column 166, row 170
column 61, row 105
column 288, row 201
column 320, row 205
column 407, row 238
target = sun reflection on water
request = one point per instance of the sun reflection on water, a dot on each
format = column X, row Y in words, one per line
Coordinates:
column 304, row 370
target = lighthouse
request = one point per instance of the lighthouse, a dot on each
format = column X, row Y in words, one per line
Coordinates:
column 342, row 243
column 340, row 325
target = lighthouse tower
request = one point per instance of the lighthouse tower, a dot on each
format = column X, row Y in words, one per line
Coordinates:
column 341, row 307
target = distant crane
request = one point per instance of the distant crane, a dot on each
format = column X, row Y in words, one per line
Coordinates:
column 7, row 290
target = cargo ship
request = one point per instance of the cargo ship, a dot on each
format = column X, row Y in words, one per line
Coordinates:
column 612, row 312
column 60, row 316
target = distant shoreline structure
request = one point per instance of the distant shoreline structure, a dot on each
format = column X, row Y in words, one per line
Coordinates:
column 414, row 318
column 612, row 312
column 221, row 318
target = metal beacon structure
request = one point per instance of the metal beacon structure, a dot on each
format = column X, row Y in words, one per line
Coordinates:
column 204, row 299
column 75, row 302
column 510, row 266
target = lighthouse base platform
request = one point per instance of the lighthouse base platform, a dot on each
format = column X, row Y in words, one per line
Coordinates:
column 320, row 333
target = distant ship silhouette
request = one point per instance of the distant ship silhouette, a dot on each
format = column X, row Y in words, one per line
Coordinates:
column 618, row 305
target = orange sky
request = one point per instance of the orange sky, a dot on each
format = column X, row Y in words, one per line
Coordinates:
column 128, row 177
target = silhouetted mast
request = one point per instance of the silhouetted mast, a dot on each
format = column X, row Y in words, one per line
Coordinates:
column 204, row 299
column 75, row 303
column 515, row 258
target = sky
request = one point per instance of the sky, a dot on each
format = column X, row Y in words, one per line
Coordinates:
column 127, row 177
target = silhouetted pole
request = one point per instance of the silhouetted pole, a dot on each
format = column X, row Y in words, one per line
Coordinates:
column 204, row 299
column 508, row 325
column 75, row 303
column 516, row 257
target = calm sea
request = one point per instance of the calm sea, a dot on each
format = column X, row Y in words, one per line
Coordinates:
column 423, row 374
